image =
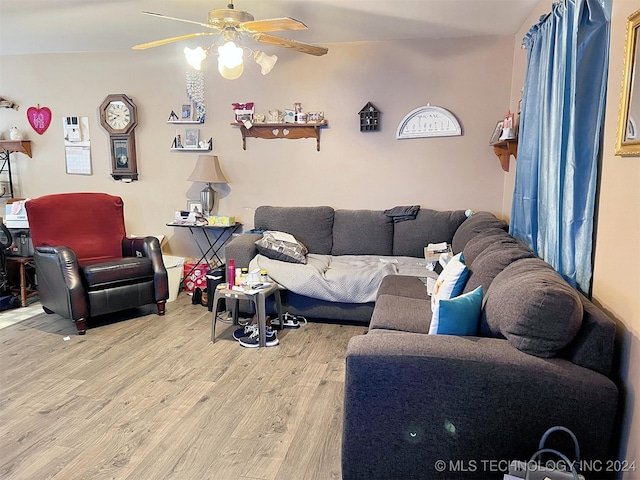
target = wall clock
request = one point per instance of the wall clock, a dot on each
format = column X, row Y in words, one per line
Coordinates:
column 428, row 121
column 118, row 116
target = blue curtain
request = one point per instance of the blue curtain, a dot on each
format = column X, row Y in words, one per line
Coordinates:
column 561, row 125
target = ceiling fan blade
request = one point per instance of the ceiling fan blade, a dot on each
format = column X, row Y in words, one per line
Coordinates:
column 157, row 43
column 273, row 25
column 283, row 42
column 159, row 15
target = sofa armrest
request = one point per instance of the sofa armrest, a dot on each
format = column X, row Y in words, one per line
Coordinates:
column 242, row 249
column 60, row 286
column 413, row 399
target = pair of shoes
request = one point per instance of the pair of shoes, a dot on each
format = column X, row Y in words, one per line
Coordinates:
column 288, row 321
column 253, row 340
column 245, row 331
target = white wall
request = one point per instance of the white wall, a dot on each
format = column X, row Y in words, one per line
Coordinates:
column 470, row 77
column 616, row 277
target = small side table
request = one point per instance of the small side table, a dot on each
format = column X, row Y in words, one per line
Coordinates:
column 257, row 298
column 214, row 242
column 23, row 263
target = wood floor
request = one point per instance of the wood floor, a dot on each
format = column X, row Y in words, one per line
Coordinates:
column 152, row 398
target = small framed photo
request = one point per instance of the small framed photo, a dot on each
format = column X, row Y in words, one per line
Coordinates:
column 495, row 138
column 186, row 111
column 191, row 137
column 195, row 207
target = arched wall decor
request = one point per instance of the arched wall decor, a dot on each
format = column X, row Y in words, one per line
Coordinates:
column 429, row 121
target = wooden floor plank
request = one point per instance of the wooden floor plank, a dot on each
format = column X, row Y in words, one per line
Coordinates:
column 147, row 397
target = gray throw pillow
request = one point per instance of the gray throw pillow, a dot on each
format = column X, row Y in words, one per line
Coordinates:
column 271, row 247
column 533, row 308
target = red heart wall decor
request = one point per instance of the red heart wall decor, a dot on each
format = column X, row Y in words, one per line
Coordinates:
column 39, row 118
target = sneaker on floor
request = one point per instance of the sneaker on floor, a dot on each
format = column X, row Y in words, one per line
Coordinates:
column 245, row 331
column 253, row 340
column 289, row 321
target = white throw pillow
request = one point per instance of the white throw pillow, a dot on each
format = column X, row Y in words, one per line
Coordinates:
column 450, row 284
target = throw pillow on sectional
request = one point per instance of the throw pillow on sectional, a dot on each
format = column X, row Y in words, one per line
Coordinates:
column 449, row 284
column 287, row 251
column 532, row 306
column 459, row 315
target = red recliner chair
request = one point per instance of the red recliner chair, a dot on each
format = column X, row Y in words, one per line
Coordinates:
column 85, row 263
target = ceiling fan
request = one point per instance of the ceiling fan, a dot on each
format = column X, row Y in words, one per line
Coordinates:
column 232, row 25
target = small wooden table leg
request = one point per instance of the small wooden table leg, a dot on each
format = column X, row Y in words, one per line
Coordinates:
column 25, row 293
column 23, row 285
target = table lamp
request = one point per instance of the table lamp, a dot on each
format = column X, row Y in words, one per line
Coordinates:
column 207, row 170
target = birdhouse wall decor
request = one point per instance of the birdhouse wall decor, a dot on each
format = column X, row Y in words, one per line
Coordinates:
column 369, row 118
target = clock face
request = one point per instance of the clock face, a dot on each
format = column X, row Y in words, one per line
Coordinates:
column 118, row 115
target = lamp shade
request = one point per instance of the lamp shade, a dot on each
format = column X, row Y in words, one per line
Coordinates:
column 195, row 56
column 207, row 170
column 265, row 61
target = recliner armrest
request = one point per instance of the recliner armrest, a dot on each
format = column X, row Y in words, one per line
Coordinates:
column 60, row 281
column 149, row 247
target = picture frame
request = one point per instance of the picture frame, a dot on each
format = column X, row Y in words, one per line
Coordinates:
column 186, row 112
column 497, row 132
column 194, row 206
column 191, row 137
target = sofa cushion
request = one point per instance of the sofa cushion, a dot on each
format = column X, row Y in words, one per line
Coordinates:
column 430, row 226
column 472, row 226
column 493, row 260
column 459, row 315
column 401, row 313
column 533, row 308
column 119, row 271
column 362, row 232
column 285, row 247
column 313, row 226
column 481, row 242
column 405, row 286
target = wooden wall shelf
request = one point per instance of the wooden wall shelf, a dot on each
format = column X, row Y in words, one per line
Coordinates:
column 503, row 150
column 12, row 146
column 281, row 130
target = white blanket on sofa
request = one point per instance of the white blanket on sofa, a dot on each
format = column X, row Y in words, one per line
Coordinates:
column 343, row 278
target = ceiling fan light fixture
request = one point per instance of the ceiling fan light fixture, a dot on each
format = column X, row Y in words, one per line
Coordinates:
column 195, row 56
column 230, row 55
column 265, row 61
column 230, row 73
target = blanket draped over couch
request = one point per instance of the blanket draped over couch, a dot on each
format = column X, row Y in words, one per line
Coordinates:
column 344, row 233
column 343, row 278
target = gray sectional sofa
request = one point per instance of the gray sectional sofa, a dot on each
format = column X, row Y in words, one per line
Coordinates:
column 542, row 356
column 420, row 406
column 326, row 231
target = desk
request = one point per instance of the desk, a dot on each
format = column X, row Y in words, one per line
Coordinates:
column 214, row 239
column 22, row 263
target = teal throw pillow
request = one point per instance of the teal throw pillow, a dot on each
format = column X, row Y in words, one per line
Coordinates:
column 459, row 315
